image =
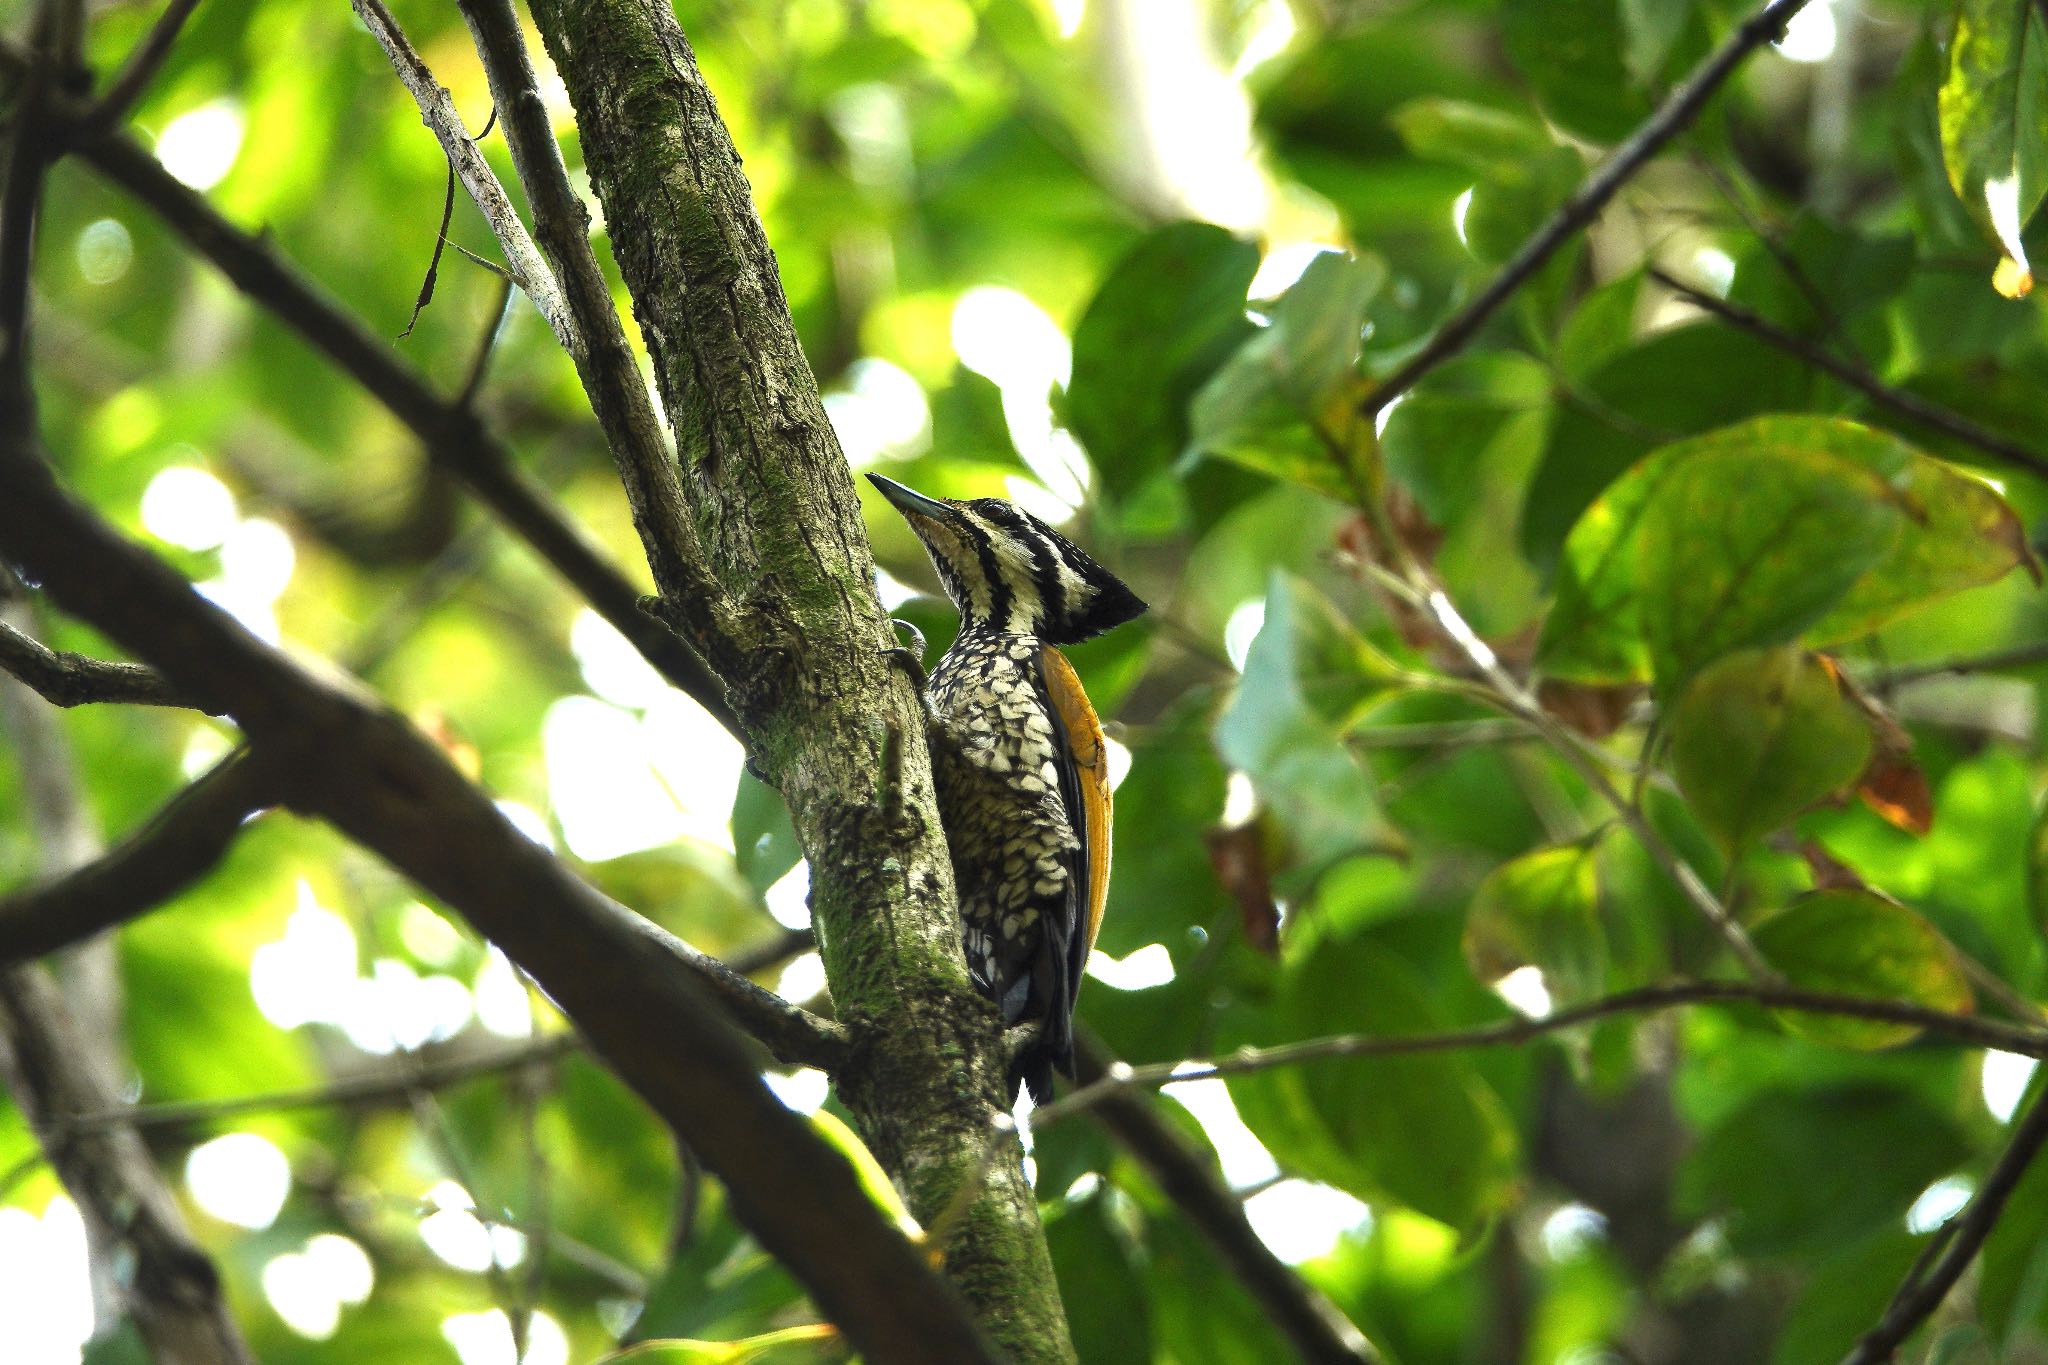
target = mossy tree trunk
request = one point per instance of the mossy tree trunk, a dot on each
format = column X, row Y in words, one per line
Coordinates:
column 834, row 725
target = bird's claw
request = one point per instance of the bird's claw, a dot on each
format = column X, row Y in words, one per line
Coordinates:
column 910, row 657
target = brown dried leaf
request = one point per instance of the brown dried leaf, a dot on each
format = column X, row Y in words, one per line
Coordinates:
column 1897, row 790
column 1238, row 856
column 1829, row 872
column 1595, row 710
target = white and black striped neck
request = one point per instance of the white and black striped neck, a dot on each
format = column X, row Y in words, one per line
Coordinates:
column 1010, row 573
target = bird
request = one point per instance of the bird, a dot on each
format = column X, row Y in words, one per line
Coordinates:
column 1019, row 759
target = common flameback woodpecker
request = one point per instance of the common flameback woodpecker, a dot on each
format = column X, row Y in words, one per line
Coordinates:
column 1017, row 752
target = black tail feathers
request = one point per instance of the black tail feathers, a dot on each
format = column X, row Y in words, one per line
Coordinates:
column 1034, row 1066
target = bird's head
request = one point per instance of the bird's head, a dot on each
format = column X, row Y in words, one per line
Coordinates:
column 1006, row 569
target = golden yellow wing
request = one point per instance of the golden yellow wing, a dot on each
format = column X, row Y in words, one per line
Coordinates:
column 1089, row 777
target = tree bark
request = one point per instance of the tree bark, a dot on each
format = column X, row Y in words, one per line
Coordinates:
column 835, row 727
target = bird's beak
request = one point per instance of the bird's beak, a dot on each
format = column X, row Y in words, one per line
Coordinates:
column 912, row 503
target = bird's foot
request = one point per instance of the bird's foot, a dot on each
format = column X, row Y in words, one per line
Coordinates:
column 910, row 657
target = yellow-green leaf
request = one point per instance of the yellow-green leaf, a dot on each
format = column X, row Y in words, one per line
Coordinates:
column 869, row 1171
column 1859, row 943
column 684, row 1351
column 1994, row 122
column 1760, row 736
column 1541, row 910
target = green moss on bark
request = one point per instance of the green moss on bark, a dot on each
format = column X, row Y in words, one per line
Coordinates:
column 837, row 728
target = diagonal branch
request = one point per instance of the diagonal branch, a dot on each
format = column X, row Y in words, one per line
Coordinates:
column 1962, row 1028
column 66, row 679
column 1908, row 405
column 605, row 362
column 1679, row 109
column 1320, row 1333
column 126, row 90
column 1921, row 1294
column 451, row 432
column 180, row 844
column 437, row 111
column 378, row 780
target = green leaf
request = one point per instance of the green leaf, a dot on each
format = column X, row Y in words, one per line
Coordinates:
column 1652, row 29
column 1958, row 533
column 1950, row 531
column 1305, row 679
column 1104, row 1295
column 1570, row 52
column 1168, row 314
column 1282, row 405
column 1426, row 1132
column 1678, row 383
column 1806, row 1170
column 1477, row 137
column 1846, row 1293
column 1761, row 735
column 1434, row 437
column 1859, row 943
column 1520, row 172
column 867, row 1170
column 1994, row 116
column 1541, row 910
column 1750, row 542
column 763, row 840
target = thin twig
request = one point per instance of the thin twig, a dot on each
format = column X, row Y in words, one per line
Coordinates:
column 1441, row 734
column 1677, row 112
column 351, row 1092
column 1963, row 1028
column 486, row 347
column 66, row 679
column 605, row 362
column 1908, row 405
column 1920, row 1296
column 1318, row 1331
column 140, row 69
column 452, row 434
column 1503, row 690
column 433, row 275
column 438, row 112
column 2019, row 656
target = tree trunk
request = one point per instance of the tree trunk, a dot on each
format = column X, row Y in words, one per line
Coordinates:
column 833, row 724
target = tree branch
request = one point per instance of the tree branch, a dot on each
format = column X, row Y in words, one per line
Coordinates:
column 1679, row 109
column 66, row 679
column 380, row 1088
column 180, row 844
column 1963, row 1028
column 170, row 1286
column 451, row 432
column 383, row 1088
column 1907, row 405
column 190, row 835
column 604, row 360
column 1921, row 1294
column 837, row 729
column 1320, row 1333
column 2019, row 656
column 368, row 772
column 438, row 112
column 127, row 89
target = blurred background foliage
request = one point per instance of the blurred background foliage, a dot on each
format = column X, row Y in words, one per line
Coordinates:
column 1019, row 238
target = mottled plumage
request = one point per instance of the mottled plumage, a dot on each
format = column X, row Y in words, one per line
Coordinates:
column 1018, row 753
